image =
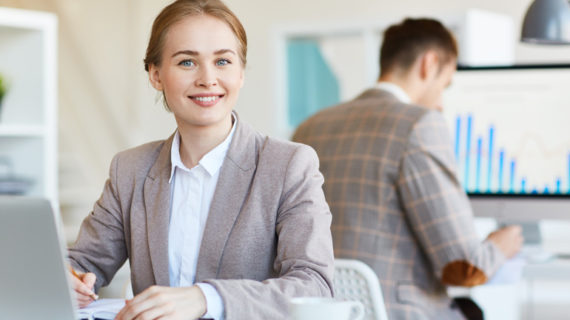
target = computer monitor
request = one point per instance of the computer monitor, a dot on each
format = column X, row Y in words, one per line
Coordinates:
column 510, row 126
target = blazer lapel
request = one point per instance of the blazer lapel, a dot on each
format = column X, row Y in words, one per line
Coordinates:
column 157, row 205
column 231, row 192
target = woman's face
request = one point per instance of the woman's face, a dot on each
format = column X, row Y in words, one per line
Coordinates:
column 201, row 72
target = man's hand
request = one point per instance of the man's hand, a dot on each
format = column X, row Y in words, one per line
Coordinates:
column 83, row 284
column 508, row 239
column 165, row 303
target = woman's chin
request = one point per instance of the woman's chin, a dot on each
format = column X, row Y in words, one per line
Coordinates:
column 202, row 122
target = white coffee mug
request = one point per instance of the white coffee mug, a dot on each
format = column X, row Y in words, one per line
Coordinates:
column 311, row 308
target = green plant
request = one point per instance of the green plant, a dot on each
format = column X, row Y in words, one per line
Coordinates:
column 3, row 87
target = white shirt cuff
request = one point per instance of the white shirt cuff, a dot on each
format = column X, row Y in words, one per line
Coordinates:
column 214, row 303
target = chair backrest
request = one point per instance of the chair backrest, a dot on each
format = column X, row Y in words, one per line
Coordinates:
column 354, row 280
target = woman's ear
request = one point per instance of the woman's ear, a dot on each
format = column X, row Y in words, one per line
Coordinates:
column 154, row 77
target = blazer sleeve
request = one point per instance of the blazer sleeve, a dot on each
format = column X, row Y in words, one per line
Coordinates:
column 438, row 209
column 100, row 245
column 304, row 254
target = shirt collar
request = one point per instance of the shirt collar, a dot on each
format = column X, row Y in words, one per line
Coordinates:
column 394, row 89
column 211, row 161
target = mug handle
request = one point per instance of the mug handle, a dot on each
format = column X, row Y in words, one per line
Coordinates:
column 359, row 307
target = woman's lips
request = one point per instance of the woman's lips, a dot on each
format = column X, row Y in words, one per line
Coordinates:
column 206, row 100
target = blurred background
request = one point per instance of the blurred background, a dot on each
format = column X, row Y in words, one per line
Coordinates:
column 105, row 104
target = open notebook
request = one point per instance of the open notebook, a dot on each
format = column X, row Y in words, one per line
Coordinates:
column 104, row 309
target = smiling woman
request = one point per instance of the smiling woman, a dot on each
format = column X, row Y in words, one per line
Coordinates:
column 217, row 221
column 200, row 75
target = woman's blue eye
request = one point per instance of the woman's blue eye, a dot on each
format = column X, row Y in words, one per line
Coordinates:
column 186, row 63
column 222, row 62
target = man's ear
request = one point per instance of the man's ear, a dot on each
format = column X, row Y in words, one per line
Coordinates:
column 429, row 65
column 154, row 77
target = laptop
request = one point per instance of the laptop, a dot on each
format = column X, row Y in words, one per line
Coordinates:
column 33, row 273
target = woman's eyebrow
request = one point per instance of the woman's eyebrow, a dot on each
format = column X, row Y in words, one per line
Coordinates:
column 195, row 53
column 222, row 51
column 186, row 52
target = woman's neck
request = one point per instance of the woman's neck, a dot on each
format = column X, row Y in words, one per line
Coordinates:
column 195, row 141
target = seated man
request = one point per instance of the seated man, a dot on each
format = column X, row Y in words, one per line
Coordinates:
column 391, row 183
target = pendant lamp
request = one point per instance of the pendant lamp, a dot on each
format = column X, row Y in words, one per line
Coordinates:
column 547, row 22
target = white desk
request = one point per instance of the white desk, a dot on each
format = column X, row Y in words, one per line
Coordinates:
column 557, row 269
column 543, row 292
column 554, row 276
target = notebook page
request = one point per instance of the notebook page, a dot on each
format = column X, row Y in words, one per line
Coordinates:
column 105, row 309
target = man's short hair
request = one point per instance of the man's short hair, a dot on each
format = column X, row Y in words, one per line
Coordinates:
column 405, row 42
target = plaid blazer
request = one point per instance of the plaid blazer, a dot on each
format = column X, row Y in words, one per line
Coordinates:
column 397, row 204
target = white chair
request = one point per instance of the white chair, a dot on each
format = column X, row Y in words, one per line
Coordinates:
column 355, row 281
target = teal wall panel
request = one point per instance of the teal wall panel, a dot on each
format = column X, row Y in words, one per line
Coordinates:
column 311, row 83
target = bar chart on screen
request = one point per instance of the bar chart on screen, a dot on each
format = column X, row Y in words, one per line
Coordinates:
column 525, row 165
column 509, row 129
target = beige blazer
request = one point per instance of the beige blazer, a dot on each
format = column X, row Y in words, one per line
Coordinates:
column 267, row 237
column 397, row 205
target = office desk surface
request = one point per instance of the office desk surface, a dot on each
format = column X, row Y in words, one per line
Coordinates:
column 556, row 269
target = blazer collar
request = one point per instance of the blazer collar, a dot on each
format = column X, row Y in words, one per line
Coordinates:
column 162, row 165
column 232, row 188
column 376, row 93
column 231, row 191
column 244, row 138
column 157, row 196
column 242, row 151
column 395, row 90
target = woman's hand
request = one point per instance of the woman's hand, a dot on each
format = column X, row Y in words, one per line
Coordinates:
column 165, row 303
column 83, row 284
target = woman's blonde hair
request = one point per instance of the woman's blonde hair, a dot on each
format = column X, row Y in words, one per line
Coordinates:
column 181, row 9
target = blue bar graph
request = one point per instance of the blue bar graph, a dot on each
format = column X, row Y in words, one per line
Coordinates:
column 501, row 162
column 467, row 150
column 492, row 166
column 512, row 182
column 478, row 168
column 489, row 155
column 457, row 137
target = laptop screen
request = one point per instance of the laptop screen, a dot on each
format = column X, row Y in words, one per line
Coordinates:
column 33, row 275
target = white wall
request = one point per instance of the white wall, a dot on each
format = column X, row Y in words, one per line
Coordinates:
column 103, row 86
column 261, row 17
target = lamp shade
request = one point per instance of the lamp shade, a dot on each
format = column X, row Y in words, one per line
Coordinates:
column 547, row 22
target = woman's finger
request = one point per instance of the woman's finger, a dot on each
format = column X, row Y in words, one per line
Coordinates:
column 89, row 280
column 134, row 309
column 80, row 287
column 157, row 311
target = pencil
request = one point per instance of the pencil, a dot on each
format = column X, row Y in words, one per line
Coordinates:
column 92, row 295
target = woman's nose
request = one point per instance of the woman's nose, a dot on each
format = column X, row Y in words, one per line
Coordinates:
column 206, row 78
